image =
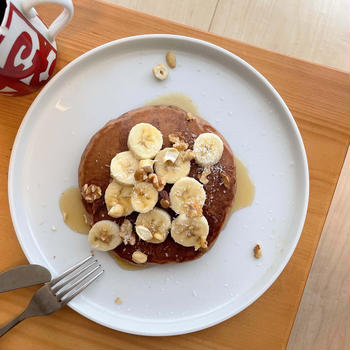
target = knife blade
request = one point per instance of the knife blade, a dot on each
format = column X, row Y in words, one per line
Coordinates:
column 23, row 276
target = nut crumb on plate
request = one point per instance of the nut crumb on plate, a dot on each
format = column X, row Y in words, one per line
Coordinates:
column 53, row 228
column 257, row 251
column 160, row 71
column 118, row 300
column 171, row 59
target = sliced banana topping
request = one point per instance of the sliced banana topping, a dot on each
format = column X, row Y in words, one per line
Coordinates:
column 190, row 232
column 118, row 200
column 145, row 141
column 143, row 232
column 123, row 167
column 208, row 148
column 171, row 172
column 157, row 222
column 187, row 193
column 144, row 197
column 104, row 235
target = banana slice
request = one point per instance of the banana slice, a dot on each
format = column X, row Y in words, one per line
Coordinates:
column 158, row 223
column 104, row 235
column 145, row 140
column 144, row 197
column 190, row 232
column 123, row 167
column 187, row 193
column 208, row 148
column 171, row 171
column 118, row 200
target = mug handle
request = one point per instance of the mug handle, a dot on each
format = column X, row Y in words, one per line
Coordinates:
column 58, row 24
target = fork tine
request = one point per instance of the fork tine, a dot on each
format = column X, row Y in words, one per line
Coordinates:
column 76, row 283
column 80, row 289
column 67, row 272
column 75, row 275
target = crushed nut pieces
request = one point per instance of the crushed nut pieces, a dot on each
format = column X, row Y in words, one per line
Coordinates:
column 164, row 199
column 190, row 116
column 126, row 233
column 188, row 155
column 140, row 175
column 203, row 177
column 257, row 251
column 157, row 181
column 193, row 210
column 178, row 141
column 91, row 192
column 225, row 179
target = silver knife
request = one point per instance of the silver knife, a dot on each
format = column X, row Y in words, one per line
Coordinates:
column 23, row 276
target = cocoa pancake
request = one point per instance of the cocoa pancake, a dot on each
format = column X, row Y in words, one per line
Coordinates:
column 112, row 139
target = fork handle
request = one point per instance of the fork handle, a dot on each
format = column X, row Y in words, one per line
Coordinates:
column 5, row 328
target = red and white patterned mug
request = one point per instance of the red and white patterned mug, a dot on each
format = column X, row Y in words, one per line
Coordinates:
column 27, row 47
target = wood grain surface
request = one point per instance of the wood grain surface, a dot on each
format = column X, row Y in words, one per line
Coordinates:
column 325, row 301
column 317, row 97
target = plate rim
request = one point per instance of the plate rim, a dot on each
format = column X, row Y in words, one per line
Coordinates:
column 259, row 76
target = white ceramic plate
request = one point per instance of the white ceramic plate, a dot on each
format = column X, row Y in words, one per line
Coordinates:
column 112, row 79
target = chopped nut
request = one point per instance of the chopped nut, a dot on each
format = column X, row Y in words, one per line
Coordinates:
column 187, row 155
column 171, row 155
column 160, row 71
column 116, row 211
column 178, row 141
column 203, row 178
column 126, row 233
column 138, row 257
column 204, row 243
column 193, row 210
column 92, row 252
column 118, row 301
column 53, row 228
column 91, row 192
column 144, row 233
column 225, row 179
column 164, row 199
column 190, row 116
column 171, row 59
column 257, row 251
column 146, row 165
column 157, row 181
column 140, row 175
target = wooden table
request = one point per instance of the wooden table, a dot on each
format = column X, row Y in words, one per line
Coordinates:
column 318, row 99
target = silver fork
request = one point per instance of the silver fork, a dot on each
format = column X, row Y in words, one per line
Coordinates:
column 54, row 295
